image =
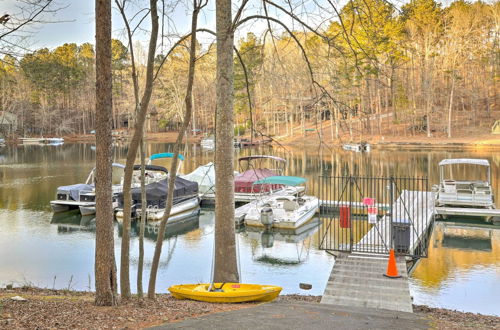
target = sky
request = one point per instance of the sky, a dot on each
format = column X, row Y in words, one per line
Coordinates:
column 73, row 21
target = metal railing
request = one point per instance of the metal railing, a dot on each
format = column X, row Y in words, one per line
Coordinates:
column 373, row 215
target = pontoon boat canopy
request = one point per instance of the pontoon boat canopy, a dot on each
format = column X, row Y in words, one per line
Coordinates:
column 281, row 179
column 481, row 162
column 279, row 159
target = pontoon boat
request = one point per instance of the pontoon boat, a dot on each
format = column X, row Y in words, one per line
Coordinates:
column 81, row 195
column 464, row 193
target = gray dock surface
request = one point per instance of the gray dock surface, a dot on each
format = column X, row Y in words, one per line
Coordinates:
column 357, row 280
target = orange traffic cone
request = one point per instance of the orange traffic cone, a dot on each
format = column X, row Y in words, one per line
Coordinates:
column 392, row 269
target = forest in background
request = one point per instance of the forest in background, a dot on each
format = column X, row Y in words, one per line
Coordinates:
column 376, row 70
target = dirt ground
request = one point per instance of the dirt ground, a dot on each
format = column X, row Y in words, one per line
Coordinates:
column 60, row 309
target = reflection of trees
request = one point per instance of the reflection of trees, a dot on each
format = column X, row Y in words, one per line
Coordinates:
column 450, row 249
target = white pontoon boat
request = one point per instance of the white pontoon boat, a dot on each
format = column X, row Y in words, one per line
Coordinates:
column 464, row 193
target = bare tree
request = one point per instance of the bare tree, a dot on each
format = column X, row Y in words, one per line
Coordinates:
column 132, row 152
column 188, row 100
column 105, row 267
column 225, row 262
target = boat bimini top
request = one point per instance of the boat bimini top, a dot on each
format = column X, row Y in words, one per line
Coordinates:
column 464, row 161
column 283, row 180
column 467, row 161
column 166, row 155
column 280, row 163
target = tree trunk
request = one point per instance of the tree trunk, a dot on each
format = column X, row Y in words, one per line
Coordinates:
column 450, row 108
column 105, row 268
column 188, row 100
column 132, row 152
column 225, row 263
column 142, row 225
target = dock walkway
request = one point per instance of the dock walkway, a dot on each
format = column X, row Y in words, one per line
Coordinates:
column 357, row 280
column 417, row 207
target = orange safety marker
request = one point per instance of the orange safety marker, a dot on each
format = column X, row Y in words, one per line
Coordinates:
column 392, row 269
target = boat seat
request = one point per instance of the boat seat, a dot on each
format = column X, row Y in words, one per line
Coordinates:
column 289, row 205
column 450, row 187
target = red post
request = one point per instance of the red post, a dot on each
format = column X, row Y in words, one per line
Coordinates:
column 345, row 217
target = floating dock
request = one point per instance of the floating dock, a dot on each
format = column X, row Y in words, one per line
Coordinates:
column 357, row 279
column 417, row 207
column 470, row 212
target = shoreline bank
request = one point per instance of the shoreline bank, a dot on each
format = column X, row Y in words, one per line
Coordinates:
column 45, row 308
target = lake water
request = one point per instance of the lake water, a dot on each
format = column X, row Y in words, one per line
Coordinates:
column 37, row 247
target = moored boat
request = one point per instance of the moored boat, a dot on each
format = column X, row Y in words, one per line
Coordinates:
column 81, row 195
column 357, row 147
column 185, row 200
column 253, row 169
column 286, row 211
column 473, row 193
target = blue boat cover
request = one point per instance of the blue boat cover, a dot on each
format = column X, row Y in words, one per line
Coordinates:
column 282, row 179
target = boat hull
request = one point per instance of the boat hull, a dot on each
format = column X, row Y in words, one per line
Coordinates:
column 226, row 292
column 179, row 211
column 63, row 206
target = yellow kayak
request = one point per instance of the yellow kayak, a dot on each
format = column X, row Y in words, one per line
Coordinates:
column 225, row 292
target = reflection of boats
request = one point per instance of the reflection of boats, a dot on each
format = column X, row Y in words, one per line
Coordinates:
column 471, row 193
column 282, row 211
column 268, row 236
column 456, row 236
column 225, row 292
column 81, row 195
column 72, row 221
column 357, row 147
column 175, row 228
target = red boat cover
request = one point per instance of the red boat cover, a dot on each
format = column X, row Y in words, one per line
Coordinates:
column 243, row 182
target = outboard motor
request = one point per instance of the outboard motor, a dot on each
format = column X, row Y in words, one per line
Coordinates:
column 266, row 216
column 267, row 239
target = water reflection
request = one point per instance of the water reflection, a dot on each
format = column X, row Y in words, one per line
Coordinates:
column 73, row 221
column 462, row 271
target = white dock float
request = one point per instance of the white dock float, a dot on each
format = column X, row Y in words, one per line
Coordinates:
column 476, row 212
column 415, row 206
